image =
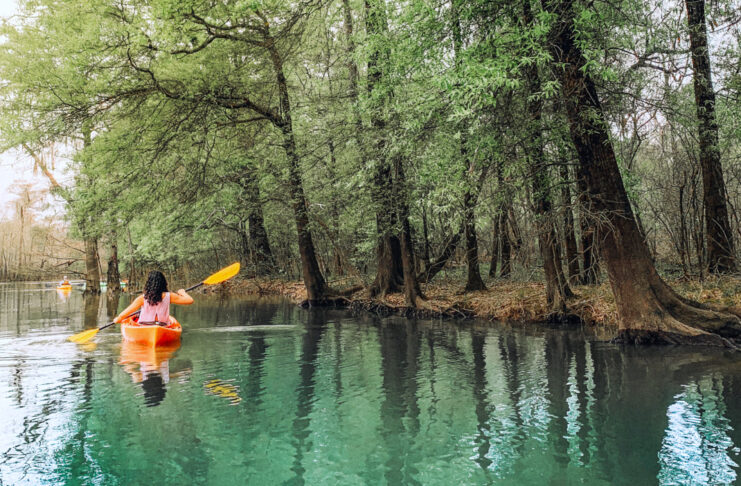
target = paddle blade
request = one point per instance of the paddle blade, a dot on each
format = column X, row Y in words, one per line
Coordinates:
column 84, row 336
column 223, row 274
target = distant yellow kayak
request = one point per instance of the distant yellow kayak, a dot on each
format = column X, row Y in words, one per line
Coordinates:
column 64, row 287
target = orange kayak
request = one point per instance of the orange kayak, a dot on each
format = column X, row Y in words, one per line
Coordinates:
column 64, row 287
column 151, row 335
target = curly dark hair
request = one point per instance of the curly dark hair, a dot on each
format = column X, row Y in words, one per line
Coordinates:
column 155, row 286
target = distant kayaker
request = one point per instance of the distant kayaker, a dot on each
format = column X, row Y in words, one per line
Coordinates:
column 64, row 281
column 155, row 301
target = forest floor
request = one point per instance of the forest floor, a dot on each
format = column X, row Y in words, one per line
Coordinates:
column 504, row 300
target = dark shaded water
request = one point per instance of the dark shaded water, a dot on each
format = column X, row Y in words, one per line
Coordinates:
column 261, row 392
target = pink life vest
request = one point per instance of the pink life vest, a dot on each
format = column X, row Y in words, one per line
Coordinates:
column 159, row 312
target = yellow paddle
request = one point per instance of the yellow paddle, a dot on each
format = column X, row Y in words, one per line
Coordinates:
column 221, row 276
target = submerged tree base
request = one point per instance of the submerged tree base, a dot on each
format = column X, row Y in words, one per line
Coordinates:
column 644, row 337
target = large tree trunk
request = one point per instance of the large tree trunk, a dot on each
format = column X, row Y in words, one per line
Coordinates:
column 411, row 285
column 92, row 259
column 316, row 286
column 474, row 281
column 260, row 245
column 721, row 256
column 648, row 309
column 255, row 242
column 389, row 269
column 569, row 237
column 557, row 289
column 113, row 278
column 390, row 272
column 92, row 275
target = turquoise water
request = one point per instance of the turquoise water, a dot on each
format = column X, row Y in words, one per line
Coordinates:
column 261, row 392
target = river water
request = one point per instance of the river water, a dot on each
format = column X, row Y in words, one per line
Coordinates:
column 261, row 392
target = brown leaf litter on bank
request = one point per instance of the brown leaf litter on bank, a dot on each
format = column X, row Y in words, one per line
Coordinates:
column 504, row 300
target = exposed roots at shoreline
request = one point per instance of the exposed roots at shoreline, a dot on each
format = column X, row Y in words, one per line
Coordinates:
column 660, row 315
column 644, row 337
column 503, row 301
column 524, row 303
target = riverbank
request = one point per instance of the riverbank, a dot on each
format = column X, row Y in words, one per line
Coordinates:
column 503, row 300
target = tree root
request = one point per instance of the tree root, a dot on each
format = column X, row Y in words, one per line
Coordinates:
column 349, row 291
column 332, row 298
column 700, row 316
column 659, row 315
column 563, row 318
column 647, row 337
column 422, row 311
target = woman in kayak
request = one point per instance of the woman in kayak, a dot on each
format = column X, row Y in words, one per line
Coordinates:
column 155, row 301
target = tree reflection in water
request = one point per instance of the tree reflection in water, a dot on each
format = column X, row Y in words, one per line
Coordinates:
column 343, row 399
column 696, row 446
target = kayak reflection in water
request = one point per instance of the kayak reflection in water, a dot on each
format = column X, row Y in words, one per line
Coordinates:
column 155, row 301
column 150, row 367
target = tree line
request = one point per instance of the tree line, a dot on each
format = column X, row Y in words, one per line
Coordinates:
column 384, row 141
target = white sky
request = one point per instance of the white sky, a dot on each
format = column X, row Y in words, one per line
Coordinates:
column 8, row 7
column 16, row 168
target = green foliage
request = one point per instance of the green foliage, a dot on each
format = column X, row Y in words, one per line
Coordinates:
column 188, row 133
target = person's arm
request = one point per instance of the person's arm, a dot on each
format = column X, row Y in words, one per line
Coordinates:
column 133, row 307
column 181, row 297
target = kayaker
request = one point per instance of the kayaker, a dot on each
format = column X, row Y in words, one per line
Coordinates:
column 64, row 282
column 155, row 301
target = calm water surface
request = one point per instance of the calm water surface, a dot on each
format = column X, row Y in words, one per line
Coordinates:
column 261, row 392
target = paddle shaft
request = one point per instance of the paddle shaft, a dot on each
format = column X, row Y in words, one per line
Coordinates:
column 112, row 323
